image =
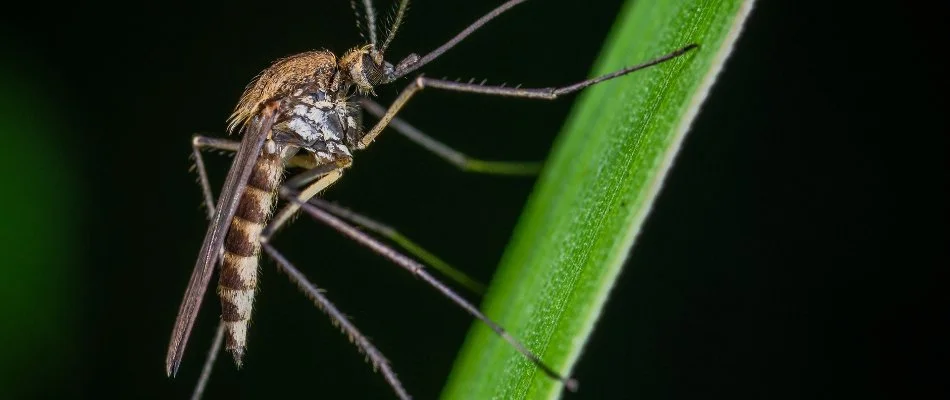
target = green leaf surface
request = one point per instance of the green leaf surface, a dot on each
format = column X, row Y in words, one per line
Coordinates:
column 600, row 181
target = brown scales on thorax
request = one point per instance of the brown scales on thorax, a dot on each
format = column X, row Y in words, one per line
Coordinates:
column 312, row 68
column 308, row 71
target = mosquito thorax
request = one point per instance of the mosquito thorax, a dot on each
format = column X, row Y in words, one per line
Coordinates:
column 290, row 76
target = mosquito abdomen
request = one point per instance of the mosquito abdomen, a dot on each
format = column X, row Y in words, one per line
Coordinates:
column 238, row 279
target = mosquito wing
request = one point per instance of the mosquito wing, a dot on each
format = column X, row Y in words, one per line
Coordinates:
column 234, row 186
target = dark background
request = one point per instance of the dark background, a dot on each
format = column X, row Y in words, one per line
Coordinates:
column 797, row 249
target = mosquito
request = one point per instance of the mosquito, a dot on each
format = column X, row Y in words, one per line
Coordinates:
column 305, row 112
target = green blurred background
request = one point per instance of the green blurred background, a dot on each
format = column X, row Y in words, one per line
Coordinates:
column 796, row 251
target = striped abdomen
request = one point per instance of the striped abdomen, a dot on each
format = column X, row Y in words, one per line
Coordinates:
column 238, row 279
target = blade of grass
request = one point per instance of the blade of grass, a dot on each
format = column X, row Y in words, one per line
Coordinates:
column 597, row 188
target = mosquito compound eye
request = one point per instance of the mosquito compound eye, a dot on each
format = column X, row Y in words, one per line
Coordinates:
column 363, row 72
column 372, row 71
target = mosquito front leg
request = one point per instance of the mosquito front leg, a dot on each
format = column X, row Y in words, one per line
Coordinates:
column 550, row 93
column 339, row 319
column 452, row 156
column 199, row 143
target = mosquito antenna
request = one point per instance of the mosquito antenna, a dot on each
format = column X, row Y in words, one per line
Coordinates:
column 409, row 67
column 370, row 18
column 397, row 21
column 419, row 271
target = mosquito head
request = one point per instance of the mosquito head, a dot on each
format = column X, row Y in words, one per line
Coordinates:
column 365, row 67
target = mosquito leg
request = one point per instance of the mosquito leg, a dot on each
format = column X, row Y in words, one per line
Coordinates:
column 402, row 241
column 376, row 357
column 452, row 156
column 199, row 143
column 551, row 93
column 419, row 271
column 321, row 174
column 209, row 362
column 317, row 179
column 362, row 343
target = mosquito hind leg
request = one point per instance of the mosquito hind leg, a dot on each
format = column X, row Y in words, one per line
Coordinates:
column 450, row 155
column 213, row 352
column 376, row 357
column 320, row 178
column 402, row 241
column 314, row 181
column 199, row 143
column 202, row 143
column 419, row 271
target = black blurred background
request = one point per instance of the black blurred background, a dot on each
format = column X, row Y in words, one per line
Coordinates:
column 797, row 250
